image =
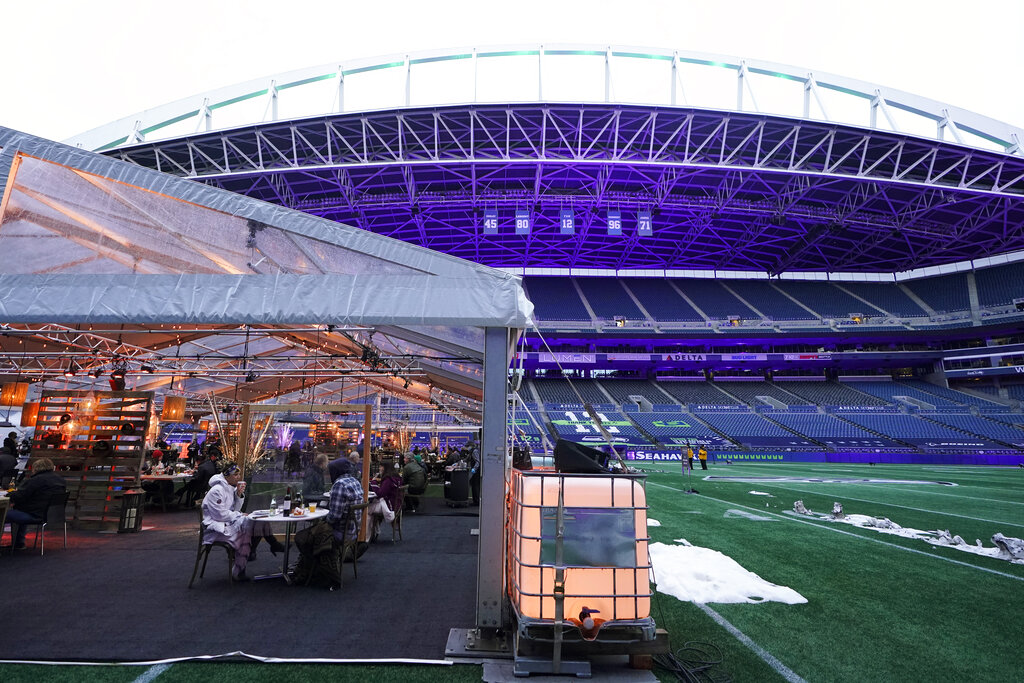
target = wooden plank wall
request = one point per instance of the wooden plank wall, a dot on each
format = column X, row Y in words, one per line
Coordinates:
column 95, row 475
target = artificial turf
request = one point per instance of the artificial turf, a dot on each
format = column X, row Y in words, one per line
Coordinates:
column 879, row 607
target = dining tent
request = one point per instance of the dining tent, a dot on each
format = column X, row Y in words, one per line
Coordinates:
column 106, row 265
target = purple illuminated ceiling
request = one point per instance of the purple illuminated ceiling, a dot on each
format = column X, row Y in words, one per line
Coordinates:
column 726, row 190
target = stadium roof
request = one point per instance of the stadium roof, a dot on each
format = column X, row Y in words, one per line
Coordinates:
column 734, row 187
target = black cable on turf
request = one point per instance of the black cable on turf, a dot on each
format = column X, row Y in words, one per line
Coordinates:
column 694, row 663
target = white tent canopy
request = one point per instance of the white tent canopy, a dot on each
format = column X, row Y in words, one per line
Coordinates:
column 89, row 240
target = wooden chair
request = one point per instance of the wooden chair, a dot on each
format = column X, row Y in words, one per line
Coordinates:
column 55, row 514
column 396, row 523
column 349, row 544
column 203, row 553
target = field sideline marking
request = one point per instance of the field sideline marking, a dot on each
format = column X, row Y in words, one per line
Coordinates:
column 895, row 505
column 774, row 663
column 850, row 533
column 151, row 673
column 952, row 495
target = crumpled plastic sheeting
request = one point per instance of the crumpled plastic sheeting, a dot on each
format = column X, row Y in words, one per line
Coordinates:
column 265, row 299
column 1014, row 547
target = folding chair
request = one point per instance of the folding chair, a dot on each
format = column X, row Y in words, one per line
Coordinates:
column 349, row 543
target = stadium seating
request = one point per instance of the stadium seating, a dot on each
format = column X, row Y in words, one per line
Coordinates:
column 945, row 293
column 698, row 393
column 753, row 430
column 888, row 390
column 662, row 301
column 608, row 299
column 560, row 391
column 902, row 426
column 761, row 295
column 1000, row 285
column 621, row 389
column 554, row 298
column 887, row 296
column 747, row 392
column 711, row 298
column 980, row 426
column 824, row 298
column 958, row 397
column 831, row 394
column 576, row 425
column 832, row 431
column 676, row 429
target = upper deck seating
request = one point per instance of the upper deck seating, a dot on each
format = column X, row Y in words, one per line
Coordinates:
column 662, row 301
column 711, row 298
column 824, row 298
column 766, row 299
column 608, row 299
column 1000, row 285
column 886, row 295
column 945, row 293
column 555, row 298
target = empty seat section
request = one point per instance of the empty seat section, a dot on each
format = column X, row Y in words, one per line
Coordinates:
column 889, row 390
column 662, row 301
column 747, row 392
column 621, row 389
column 528, row 426
column 699, row 393
column 902, row 426
column 983, row 427
column 765, row 298
column 824, row 298
column 560, row 392
column 576, row 425
column 945, row 294
column 753, row 430
column 555, row 298
column 832, row 431
column 1000, row 285
column 608, row 299
column 676, row 429
column 948, row 394
column 831, row 394
column 887, row 296
column 714, row 300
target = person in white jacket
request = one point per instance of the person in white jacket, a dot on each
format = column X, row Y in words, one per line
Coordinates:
column 224, row 522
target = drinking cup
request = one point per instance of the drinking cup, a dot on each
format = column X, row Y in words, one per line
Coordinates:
column 312, row 506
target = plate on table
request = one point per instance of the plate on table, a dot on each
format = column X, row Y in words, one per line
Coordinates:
column 256, row 514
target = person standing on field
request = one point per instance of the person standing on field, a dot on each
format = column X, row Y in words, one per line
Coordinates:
column 702, row 455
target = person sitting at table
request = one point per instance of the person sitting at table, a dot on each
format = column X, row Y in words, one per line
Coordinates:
column 196, row 487
column 11, row 444
column 29, row 502
column 346, row 464
column 415, row 476
column 224, row 522
column 386, row 486
column 8, row 466
column 345, row 492
column 314, row 482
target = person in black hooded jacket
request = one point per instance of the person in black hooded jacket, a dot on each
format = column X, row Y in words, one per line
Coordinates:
column 29, row 502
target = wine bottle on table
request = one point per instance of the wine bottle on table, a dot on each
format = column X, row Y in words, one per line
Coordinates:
column 288, row 501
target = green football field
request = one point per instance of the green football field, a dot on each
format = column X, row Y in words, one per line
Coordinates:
column 879, row 607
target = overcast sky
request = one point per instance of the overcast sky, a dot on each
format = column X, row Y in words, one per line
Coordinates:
column 72, row 65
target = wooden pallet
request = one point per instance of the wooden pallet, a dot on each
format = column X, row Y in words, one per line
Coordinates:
column 96, row 476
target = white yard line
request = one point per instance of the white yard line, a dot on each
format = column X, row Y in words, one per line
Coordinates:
column 833, row 494
column 949, row 495
column 850, row 533
column 151, row 673
column 774, row 663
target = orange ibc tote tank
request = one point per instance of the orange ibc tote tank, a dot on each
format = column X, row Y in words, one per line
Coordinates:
column 604, row 550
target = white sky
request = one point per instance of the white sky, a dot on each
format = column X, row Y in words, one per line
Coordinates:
column 72, row 66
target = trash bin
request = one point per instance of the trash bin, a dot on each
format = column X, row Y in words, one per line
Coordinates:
column 131, row 511
column 456, row 488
